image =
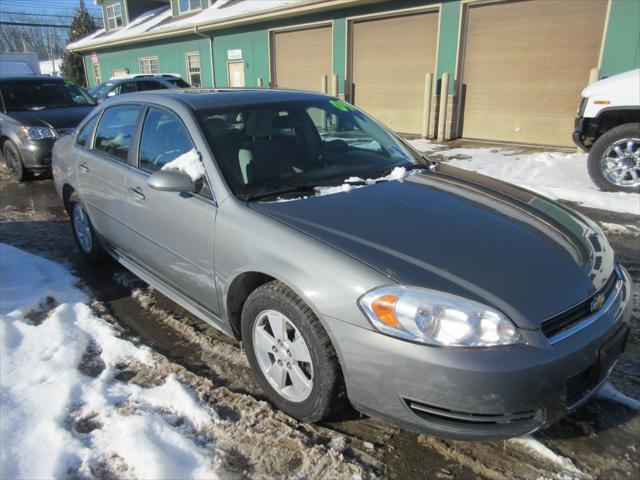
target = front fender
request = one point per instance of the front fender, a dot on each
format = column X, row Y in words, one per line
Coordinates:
column 327, row 280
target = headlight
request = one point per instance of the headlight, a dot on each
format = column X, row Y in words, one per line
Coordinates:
column 437, row 318
column 38, row 133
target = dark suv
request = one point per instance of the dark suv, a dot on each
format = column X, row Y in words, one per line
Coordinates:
column 136, row 83
column 34, row 112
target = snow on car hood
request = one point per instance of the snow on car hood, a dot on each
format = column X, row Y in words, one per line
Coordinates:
column 463, row 233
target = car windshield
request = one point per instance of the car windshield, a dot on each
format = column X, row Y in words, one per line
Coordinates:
column 101, row 89
column 178, row 82
column 287, row 147
column 40, row 94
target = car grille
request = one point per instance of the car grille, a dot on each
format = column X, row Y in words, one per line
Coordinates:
column 430, row 412
column 580, row 385
column 567, row 319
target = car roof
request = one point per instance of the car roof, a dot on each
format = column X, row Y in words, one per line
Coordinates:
column 22, row 78
column 130, row 78
column 206, row 98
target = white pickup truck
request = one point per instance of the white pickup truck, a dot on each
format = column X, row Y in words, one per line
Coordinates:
column 608, row 127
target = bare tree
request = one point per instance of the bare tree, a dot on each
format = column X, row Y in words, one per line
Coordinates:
column 32, row 34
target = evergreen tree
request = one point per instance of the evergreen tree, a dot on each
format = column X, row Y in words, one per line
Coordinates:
column 81, row 26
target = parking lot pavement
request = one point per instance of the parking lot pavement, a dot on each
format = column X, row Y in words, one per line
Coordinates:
column 598, row 441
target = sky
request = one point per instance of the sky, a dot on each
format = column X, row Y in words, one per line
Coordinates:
column 49, row 9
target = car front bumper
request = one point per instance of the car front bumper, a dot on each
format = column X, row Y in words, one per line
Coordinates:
column 36, row 154
column 479, row 393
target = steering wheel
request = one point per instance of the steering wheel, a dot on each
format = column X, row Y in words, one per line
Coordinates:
column 332, row 146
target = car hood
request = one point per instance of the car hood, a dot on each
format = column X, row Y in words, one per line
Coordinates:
column 627, row 83
column 58, row 118
column 463, row 233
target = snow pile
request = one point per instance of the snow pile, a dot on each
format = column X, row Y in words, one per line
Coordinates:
column 424, row 145
column 141, row 24
column 561, row 176
column 617, row 229
column 226, row 10
column 188, row 163
column 351, row 183
column 608, row 392
column 65, row 410
column 539, row 449
column 159, row 19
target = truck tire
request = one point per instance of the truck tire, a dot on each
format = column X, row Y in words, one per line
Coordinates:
column 614, row 159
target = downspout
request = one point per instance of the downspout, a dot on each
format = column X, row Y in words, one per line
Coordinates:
column 213, row 75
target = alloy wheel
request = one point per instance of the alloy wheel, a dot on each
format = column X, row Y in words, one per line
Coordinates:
column 82, row 228
column 283, row 355
column 621, row 163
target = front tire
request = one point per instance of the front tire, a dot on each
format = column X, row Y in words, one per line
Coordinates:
column 84, row 234
column 614, row 159
column 291, row 354
column 14, row 163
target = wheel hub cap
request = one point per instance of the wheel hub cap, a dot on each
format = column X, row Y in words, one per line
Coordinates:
column 82, row 228
column 621, row 163
column 283, row 355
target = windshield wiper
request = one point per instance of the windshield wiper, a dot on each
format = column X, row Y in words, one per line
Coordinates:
column 289, row 189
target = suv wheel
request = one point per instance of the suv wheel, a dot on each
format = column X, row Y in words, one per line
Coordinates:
column 614, row 159
column 84, row 234
column 14, row 162
column 291, row 354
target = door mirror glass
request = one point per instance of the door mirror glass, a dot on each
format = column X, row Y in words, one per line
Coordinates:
column 171, row 181
column 112, row 93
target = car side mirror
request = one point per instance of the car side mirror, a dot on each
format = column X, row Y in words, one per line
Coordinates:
column 112, row 93
column 171, row 181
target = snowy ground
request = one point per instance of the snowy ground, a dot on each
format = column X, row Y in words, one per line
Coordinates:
column 557, row 175
column 123, row 383
column 80, row 401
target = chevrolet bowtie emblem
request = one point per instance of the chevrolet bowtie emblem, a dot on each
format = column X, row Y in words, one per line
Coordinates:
column 597, row 302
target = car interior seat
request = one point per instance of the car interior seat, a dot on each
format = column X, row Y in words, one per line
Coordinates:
column 264, row 156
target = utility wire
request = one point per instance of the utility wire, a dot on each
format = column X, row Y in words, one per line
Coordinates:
column 26, row 24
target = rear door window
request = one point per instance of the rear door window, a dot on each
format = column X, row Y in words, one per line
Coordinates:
column 128, row 87
column 116, row 130
column 150, row 85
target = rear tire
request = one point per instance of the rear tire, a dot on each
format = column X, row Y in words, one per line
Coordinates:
column 14, row 163
column 613, row 166
column 84, row 233
column 303, row 338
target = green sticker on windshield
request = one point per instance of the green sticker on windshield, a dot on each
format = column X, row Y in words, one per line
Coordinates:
column 341, row 105
column 69, row 83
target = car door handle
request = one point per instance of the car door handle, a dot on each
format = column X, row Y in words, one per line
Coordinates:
column 84, row 168
column 137, row 191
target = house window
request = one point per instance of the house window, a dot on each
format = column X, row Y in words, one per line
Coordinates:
column 96, row 73
column 193, row 69
column 185, row 6
column 114, row 16
column 149, row 65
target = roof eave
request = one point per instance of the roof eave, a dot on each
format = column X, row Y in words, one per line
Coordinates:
column 285, row 11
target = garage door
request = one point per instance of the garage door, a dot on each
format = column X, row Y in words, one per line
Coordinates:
column 389, row 60
column 301, row 57
column 524, row 65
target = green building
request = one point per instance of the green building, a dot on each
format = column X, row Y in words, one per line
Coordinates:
column 513, row 69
